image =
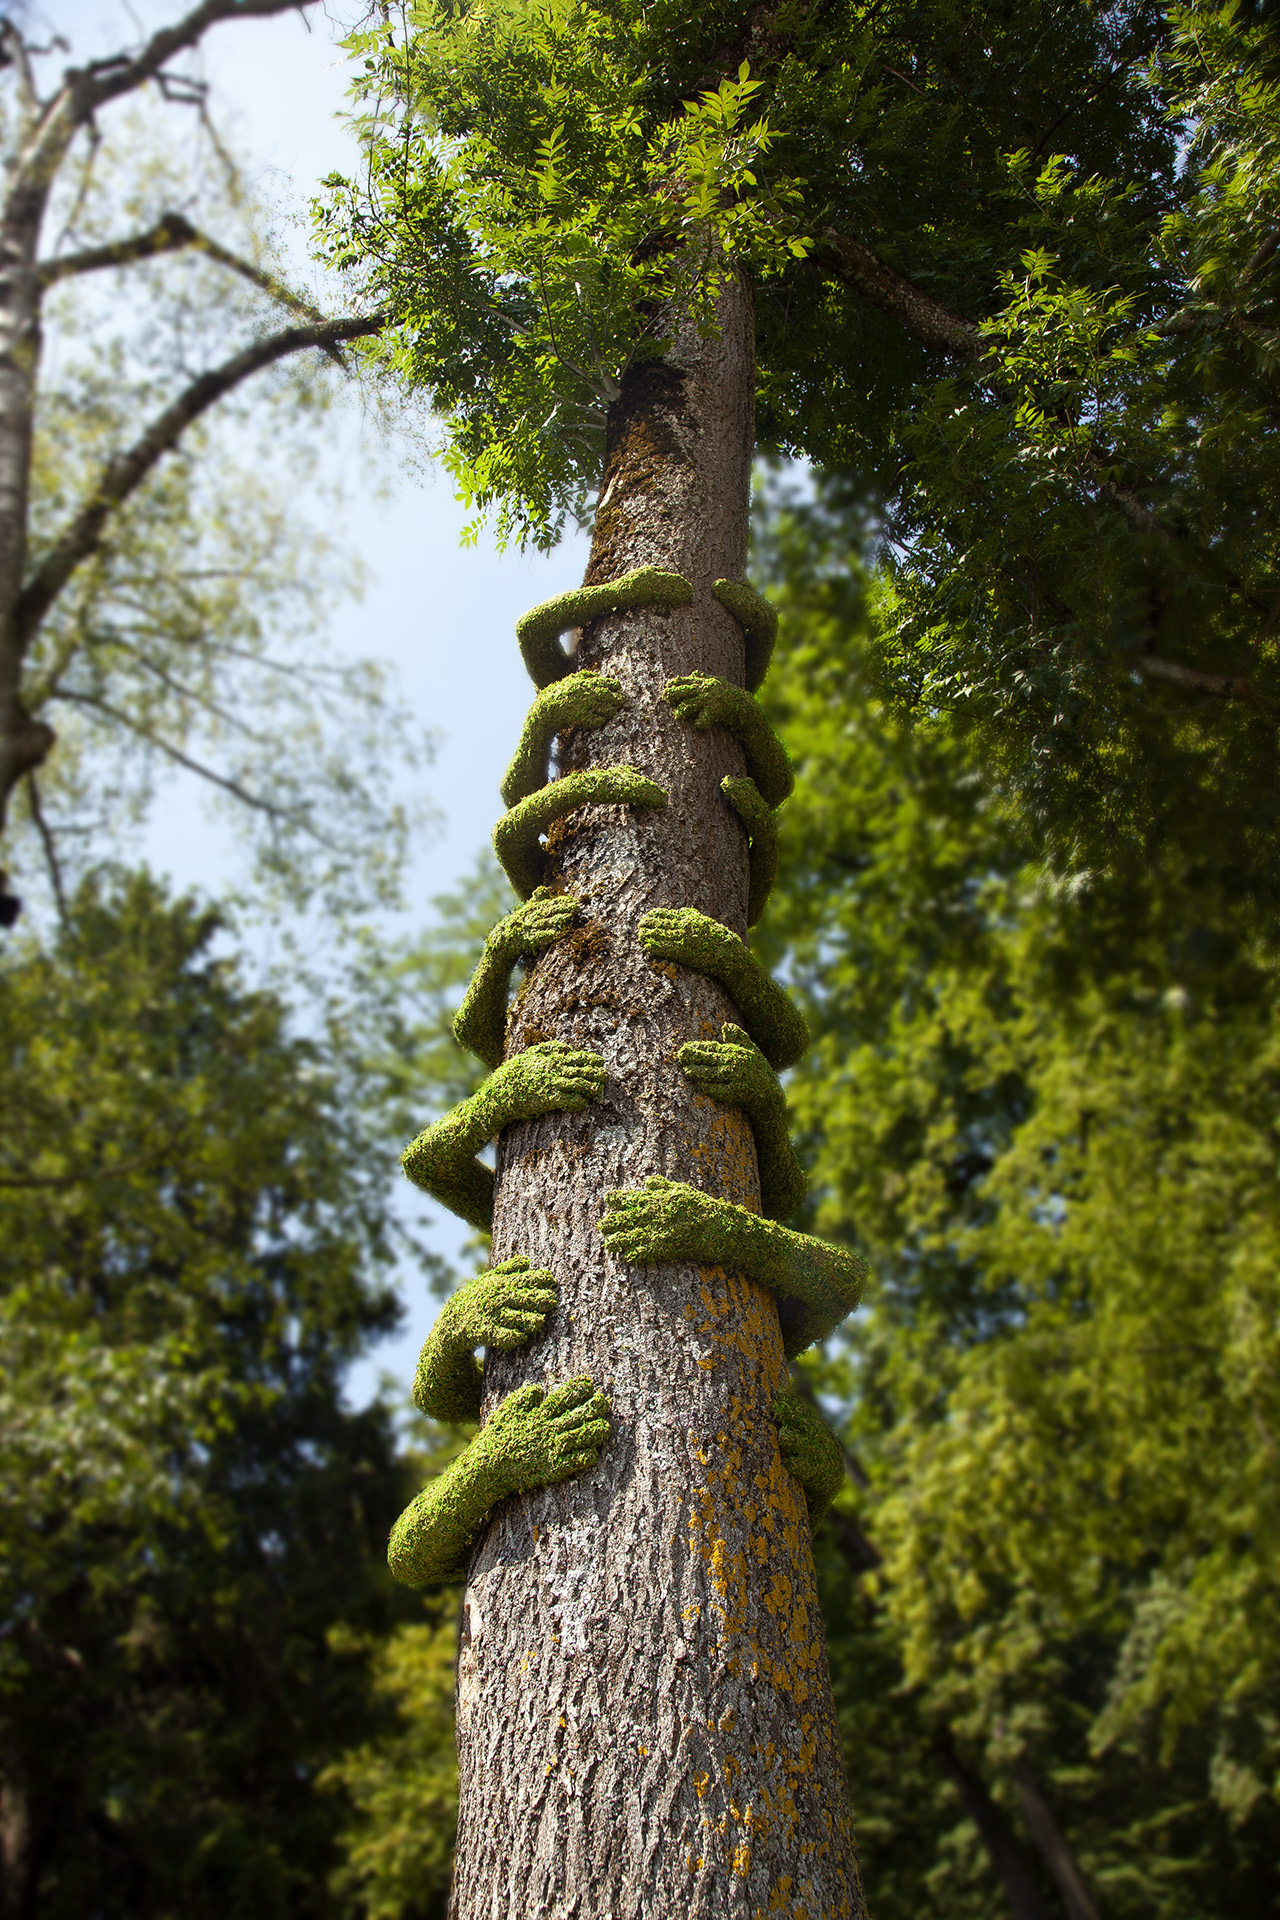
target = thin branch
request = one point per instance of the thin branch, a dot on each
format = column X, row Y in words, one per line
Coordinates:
column 1224, row 686
column 172, row 232
column 1261, row 257
column 50, row 851
column 104, row 80
column 125, row 474
column 899, row 297
column 233, row 787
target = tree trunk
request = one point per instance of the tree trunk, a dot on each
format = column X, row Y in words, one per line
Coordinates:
column 645, row 1720
column 1054, row 1846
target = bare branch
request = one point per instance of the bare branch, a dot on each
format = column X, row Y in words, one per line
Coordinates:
column 1225, row 686
column 50, row 851
column 105, row 80
column 181, row 759
column 127, row 472
column 1261, row 257
column 171, row 233
column 897, row 296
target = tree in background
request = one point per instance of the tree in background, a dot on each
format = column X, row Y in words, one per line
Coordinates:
column 196, row 1243
column 1049, row 1113
column 158, row 604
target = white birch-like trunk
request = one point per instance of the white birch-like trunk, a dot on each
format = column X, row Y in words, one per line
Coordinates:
column 645, row 1720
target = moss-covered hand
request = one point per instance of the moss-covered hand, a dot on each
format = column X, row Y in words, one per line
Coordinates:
column 480, row 1023
column 551, row 1077
column 733, row 1070
column 702, row 944
column 815, row 1284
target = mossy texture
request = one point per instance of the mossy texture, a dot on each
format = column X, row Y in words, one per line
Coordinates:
column 480, row 1024
column 586, row 699
column 551, row 1077
column 703, row 702
column 810, row 1451
column 762, row 832
column 516, row 837
column 759, row 623
column 815, row 1284
column 700, row 943
column 539, row 630
column 733, row 1070
column 531, row 1439
column 499, row 1309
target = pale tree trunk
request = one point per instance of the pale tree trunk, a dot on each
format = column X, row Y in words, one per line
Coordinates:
column 645, row 1719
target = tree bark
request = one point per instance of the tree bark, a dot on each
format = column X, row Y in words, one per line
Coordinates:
column 645, row 1720
column 1054, row 1845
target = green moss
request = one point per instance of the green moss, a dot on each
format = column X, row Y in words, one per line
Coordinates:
column 762, row 831
column 584, row 699
column 759, row 623
column 539, row 630
column 702, row 701
column 531, row 1439
column 551, row 1077
column 516, row 838
column 734, row 1071
column 810, row 1451
column 706, row 947
column 498, row 1309
column 480, row 1023
column 816, row 1285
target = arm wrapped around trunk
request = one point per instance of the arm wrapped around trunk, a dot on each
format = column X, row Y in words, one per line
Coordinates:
column 733, row 1070
column 480, row 1024
column 587, row 700
column 516, row 838
column 703, row 945
column 539, row 630
column 548, row 1078
column 531, row 1439
column 815, row 1284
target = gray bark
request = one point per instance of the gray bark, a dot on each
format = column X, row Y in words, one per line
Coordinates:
column 645, row 1720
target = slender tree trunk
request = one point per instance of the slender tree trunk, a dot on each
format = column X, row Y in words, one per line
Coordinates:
column 645, row 1720
column 1054, row 1846
column 1025, row 1899
column 24, row 742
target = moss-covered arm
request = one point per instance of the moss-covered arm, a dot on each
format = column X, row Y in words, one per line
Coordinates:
column 551, row 1077
column 499, row 1309
column 539, row 630
column 531, row 1439
column 810, row 1451
column 759, row 623
column 815, row 1284
column 703, row 702
column 480, row 1023
column 702, row 944
column 516, row 836
column 762, row 833
column 584, row 699
column 733, row 1070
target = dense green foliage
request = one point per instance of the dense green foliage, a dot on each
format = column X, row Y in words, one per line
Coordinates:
column 195, row 1243
column 1016, row 268
column 1049, row 1116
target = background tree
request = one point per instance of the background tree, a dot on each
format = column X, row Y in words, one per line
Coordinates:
column 197, row 1241
column 158, row 605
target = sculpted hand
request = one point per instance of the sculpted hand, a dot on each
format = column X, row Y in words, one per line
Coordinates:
column 499, row 1309
column 732, row 1070
column 702, row 701
column 533, row 1439
column 543, row 919
column 585, row 699
column 684, row 934
column 810, row 1451
column 661, row 1221
column 551, row 1077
